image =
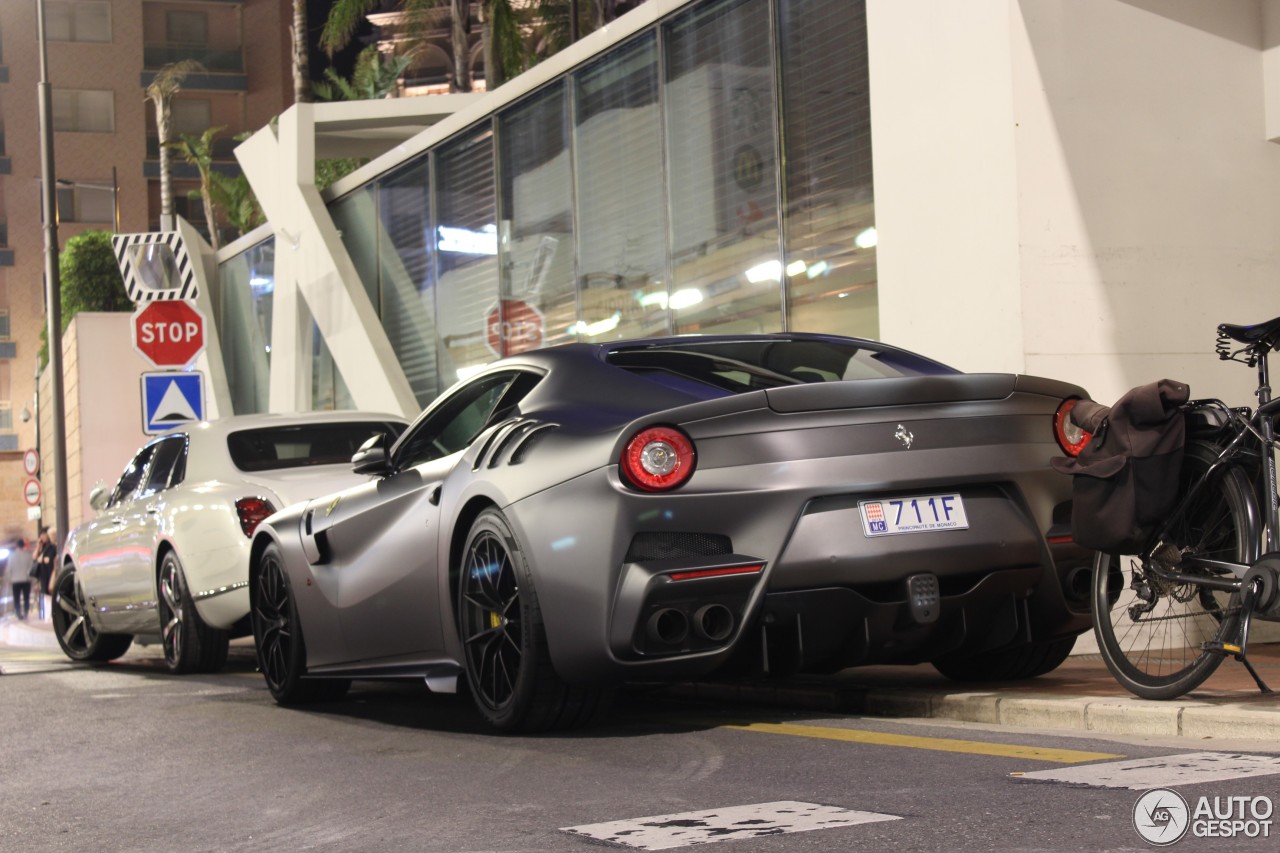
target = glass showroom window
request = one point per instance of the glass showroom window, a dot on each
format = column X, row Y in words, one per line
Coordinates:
column 722, row 170
column 77, row 20
column 405, row 274
column 246, row 290
column 622, row 224
column 830, row 264
column 536, row 235
column 329, row 391
column 466, row 236
column 84, row 110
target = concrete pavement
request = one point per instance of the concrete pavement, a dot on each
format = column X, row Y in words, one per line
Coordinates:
column 1079, row 696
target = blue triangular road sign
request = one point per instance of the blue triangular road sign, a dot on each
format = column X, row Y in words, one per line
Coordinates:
column 171, row 399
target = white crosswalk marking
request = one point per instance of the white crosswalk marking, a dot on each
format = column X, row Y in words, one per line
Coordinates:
column 1141, row 774
column 663, row 832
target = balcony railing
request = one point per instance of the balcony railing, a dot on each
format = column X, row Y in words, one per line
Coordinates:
column 215, row 61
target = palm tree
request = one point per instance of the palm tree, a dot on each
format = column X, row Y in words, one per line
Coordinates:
column 301, row 60
column 234, row 197
column 164, row 86
column 373, row 78
column 345, row 16
column 198, row 151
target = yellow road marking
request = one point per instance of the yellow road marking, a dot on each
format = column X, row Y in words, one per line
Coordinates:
column 973, row 747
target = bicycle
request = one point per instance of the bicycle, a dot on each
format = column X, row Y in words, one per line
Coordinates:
column 1166, row 618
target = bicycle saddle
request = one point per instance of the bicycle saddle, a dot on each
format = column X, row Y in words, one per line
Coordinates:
column 1263, row 333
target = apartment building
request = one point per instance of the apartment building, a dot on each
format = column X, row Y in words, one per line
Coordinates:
column 101, row 56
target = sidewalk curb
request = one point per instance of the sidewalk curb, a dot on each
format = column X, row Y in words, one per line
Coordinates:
column 1188, row 718
column 18, row 634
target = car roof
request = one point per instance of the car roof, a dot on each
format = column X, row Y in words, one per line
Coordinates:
column 235, row 423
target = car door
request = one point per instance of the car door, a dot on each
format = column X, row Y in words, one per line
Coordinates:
column 383, row 537
column 106, row 561
column 143, row 519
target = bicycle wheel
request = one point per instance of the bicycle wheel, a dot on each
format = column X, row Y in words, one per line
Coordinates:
column 1152, row 633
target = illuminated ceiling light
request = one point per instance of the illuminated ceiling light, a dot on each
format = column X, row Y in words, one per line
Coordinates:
column 796, row 267
column 685, row 298
column 467, row 372
column 820, row 268
column 767, row 271
column 600, row 327
column 658, row 298
column 464, row 241
column 866, row 238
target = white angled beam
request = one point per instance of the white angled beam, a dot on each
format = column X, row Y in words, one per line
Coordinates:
column 311, row 262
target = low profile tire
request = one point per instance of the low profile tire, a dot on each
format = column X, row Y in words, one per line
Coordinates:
column 76, row 633
column 189, row 644
column 1015, row 664
column 504, row 643
column 282, row 655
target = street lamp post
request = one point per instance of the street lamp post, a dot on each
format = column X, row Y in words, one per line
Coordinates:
column 57, row 440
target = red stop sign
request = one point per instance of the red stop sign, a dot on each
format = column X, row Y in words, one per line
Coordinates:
column 168, row 333
column 517, row 328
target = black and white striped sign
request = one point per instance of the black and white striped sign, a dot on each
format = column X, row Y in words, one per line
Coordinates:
column 155, row 266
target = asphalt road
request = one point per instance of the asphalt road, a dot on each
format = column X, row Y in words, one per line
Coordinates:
column 126, row 757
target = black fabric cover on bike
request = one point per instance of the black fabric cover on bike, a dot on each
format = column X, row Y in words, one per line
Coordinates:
column 1126, row 477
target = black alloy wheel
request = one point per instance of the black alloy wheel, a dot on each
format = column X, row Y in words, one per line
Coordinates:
column 508, row 665
column 189, row 644
column 278, row 636
column 74, row 628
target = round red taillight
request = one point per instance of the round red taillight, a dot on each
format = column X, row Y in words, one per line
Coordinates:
column 658, row 459
column 1071, row 438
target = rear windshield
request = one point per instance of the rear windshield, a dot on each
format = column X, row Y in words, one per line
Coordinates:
column 740, row 366
column 272, row 448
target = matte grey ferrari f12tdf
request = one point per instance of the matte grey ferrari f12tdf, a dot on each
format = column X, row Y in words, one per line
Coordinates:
column 578, row 517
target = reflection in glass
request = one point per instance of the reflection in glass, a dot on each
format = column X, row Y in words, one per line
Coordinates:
column 154, row 265
column 246, row 287
column 722, row 170
column 536, row 234
column 466, row 268
column 328, row 390
column 830, row 212
column 622, row 246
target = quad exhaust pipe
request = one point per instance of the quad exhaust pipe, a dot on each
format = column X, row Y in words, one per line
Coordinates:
column 713, row 622
column 670, row 626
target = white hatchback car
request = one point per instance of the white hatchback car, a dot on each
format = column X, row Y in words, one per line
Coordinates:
column 167, row 557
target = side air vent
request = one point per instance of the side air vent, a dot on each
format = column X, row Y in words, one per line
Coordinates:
column 493, row 444
column 667, row 546
column 525, row 441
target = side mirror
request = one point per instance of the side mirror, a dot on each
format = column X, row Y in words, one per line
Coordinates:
column 372, row 458
column 99, row 496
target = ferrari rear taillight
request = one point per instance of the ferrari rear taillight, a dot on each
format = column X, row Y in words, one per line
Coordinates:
column 658, row 459
column 252, row 512
column 1071, row 438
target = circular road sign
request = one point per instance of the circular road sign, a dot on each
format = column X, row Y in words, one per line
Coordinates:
column 31, row 462
column 31, row 492
column 516, row 328
column 168, row 333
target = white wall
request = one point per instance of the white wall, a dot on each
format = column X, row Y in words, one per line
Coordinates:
column 1098, row 190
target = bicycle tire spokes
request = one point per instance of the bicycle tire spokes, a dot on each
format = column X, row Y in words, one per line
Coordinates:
column 1155, row 625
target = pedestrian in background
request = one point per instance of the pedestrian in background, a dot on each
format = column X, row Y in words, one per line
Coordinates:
column 20, row 566
column 45, row 554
